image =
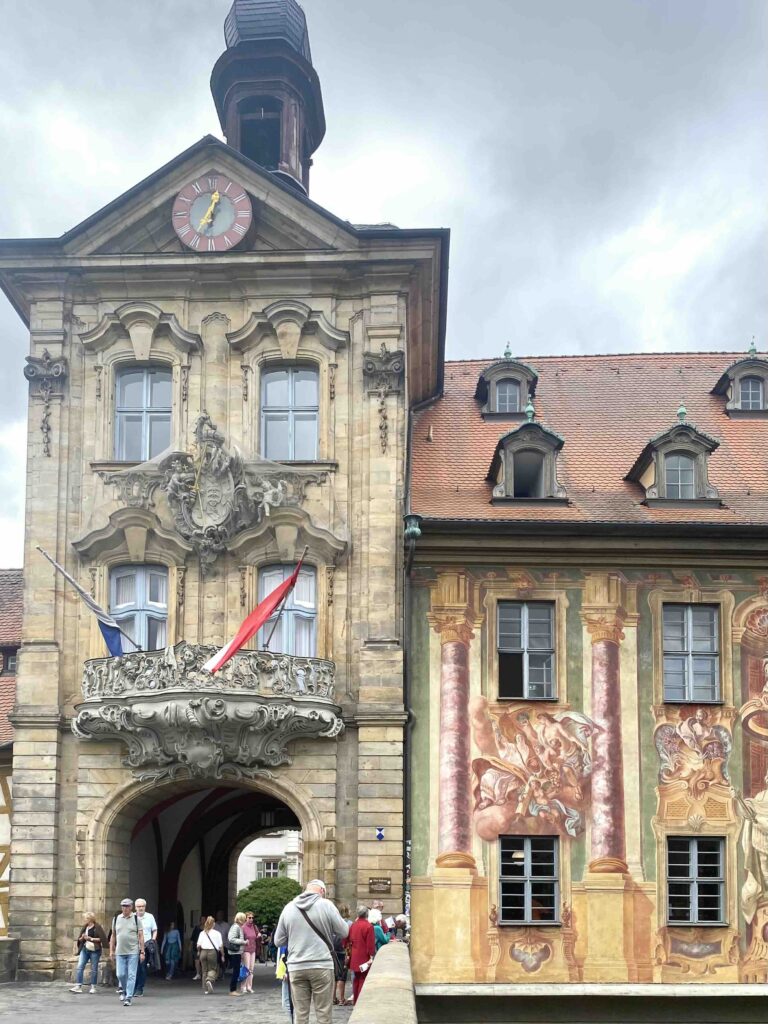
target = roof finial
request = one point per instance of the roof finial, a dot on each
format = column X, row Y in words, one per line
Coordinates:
column 682, row 412
column 530, row 412
column 508, row 352
column 753, row 347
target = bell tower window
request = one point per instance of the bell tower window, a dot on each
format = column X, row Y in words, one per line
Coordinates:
column 260, row 118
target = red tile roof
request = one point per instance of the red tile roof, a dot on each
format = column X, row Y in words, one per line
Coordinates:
column 7, row 700
column 607, row 408
column 11, row 607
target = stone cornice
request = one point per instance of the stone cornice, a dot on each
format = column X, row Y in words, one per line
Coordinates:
column 26, row 716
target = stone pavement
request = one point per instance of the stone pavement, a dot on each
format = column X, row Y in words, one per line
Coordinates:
column 165, row 1002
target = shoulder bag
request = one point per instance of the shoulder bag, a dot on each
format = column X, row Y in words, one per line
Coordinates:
column 338, row 968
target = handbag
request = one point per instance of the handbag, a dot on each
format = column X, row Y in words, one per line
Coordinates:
column 338, row 968
column 244, row 972
column 90, row 946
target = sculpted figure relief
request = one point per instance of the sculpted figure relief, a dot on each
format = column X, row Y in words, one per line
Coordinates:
column 694, row 751
column 534, row 771
column 754, row 843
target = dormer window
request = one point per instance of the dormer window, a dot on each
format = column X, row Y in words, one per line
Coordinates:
column 674, row 466
column 524, row 465
column 508, row 396
column 504, row 388
column 744, row 386
column 751, row 393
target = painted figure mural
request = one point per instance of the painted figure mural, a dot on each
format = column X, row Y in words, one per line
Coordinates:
column 533, row 772
column 754, row 843
column 694, row 751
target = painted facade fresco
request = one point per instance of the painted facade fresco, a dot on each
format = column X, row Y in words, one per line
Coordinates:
column 534, row 773
column 618, row 775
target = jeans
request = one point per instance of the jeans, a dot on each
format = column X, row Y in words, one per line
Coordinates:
column 315, row 985
column 234, row 963
column 141, row 975
column 126, row 965
column 87, row 955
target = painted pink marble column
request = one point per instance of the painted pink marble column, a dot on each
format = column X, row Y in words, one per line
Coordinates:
column 608, row 849
column 455, row 802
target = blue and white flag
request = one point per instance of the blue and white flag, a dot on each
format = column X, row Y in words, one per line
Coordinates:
column 110, row 629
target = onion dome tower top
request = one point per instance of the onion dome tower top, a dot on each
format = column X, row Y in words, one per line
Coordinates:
column 266, row 91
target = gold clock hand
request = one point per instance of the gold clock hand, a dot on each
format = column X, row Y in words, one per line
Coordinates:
column 208, row 217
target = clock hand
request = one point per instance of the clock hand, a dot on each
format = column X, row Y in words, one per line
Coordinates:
column 208, row 217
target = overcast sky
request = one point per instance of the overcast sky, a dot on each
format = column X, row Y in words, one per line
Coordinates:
column 601, row 163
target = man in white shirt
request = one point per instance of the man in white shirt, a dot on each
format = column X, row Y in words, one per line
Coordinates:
column 149, row 927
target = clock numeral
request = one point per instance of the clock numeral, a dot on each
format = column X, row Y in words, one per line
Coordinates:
column 229, row 186
column 185, row 230
column 183, row 199
column 197, row 188
column 194, row 241
column 243, row 213
column 181, row 213
column 239, row 229
column 237, row 199
column 227, row 239
column 212, row 182
column 211, row 245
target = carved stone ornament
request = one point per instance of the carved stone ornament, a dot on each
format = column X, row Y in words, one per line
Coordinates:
column 178, row 720
column 384, row 372
column 134, row 489
column 45, row 371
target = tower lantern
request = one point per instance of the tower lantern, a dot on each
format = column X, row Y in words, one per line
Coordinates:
column 266, row 91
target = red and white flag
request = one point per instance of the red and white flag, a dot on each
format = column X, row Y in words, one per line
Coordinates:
column 254, row 622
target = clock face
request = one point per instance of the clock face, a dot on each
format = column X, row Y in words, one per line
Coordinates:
column 212, row 213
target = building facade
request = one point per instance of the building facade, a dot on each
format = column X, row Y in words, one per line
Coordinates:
column 220, row 373
column 11, row 604
column 588, row 649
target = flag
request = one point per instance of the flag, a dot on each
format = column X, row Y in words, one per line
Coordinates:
column 110, row 629
column 254, row 622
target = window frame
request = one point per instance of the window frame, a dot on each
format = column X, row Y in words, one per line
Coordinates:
column 689, row 654
column 291, row 411
column 752, row 378
column 528, row 879
column 142, row 610
column 694, row 879
column 690, row 459
column 525, row 650
column 496, row 404
column 146, row 411
column 290, row 613
column 261, row 867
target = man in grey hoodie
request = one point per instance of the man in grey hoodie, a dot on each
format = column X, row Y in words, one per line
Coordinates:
column 310, row 955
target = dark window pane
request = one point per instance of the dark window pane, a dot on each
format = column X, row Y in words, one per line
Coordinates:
column 511, row 675
column 704, row 630
column 510, row 626
column 674, row 628
column 674, row 678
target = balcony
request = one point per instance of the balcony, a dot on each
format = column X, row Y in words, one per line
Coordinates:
column 178, row 720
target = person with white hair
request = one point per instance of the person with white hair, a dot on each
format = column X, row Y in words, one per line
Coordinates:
column 308, row 926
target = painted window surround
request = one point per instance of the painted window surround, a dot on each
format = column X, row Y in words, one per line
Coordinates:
column 528, row 879
column 721, row 880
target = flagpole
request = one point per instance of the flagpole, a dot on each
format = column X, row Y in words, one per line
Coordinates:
column 265, row 645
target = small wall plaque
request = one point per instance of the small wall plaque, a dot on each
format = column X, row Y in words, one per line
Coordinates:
column 380, row 885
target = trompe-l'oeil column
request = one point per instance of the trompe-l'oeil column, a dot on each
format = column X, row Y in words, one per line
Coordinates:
column 451, row 617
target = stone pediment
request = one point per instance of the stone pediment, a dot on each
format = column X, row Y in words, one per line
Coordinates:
column 139, row 221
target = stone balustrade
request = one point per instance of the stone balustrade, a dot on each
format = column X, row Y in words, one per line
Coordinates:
column 181, row 668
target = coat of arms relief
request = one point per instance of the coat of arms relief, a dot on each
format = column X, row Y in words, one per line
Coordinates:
column 212, row 492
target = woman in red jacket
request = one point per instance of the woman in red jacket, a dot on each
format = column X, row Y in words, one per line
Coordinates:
column 362, row 946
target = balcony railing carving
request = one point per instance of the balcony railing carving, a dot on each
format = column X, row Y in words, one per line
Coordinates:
column 177, row 719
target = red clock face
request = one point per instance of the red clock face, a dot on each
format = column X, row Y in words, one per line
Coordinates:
column 212, row 213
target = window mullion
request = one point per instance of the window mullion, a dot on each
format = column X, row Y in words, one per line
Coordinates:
column 528, row 908
column 524, row 644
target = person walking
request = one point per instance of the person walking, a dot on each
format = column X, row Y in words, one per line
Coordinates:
column 90, row 942
column 171, row 950
column 126, row 949
column 362, row 947
column 210, row 950
column 149, row 926
column 236, row 940
column 308, row 926
column 252, row 943
column 222, row 927
column 193, row 943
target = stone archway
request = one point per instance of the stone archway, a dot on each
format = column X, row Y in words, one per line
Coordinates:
column 221, row 809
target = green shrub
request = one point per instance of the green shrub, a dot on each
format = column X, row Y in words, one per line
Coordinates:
column 266, row 897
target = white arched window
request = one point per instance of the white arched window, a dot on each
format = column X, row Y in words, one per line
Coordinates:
column 679, row 476
column 289, row 413
column 138, row 600
column 296, row 629
column 142, row 412
column 508, row 396
column 751, row 393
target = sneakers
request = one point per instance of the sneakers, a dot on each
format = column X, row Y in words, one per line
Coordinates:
column 119, row 992
column 92, row 990
column 208, row 987
column 196, row 978
column 76, row 989
column 127, row 1002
